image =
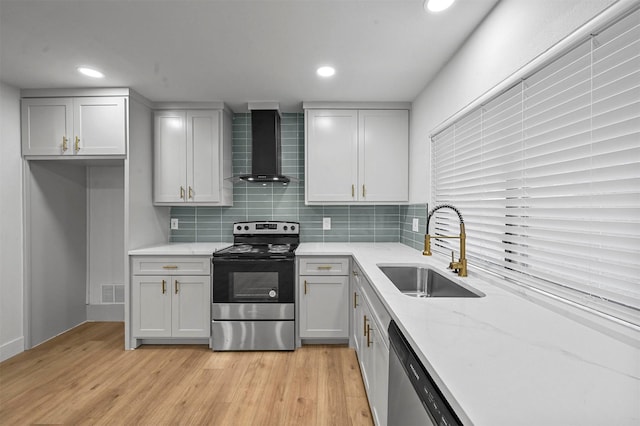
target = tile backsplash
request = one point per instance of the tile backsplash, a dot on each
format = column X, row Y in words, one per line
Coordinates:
column 379, row 223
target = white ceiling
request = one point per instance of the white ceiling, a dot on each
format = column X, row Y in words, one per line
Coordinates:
column 236, row 50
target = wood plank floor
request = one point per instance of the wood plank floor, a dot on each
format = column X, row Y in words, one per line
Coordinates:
column 86, row 377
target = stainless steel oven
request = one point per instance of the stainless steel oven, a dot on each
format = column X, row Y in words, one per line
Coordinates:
column 254, row 288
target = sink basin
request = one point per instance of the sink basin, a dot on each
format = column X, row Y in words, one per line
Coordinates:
column 418, row 281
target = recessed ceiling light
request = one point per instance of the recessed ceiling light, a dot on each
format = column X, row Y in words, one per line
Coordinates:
column 437, row 5
column 90, row 72
column 326, row 71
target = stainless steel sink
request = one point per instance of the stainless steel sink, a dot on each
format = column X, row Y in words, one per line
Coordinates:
column 418, row 281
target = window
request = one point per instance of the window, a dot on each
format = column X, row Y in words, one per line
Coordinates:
column 547, row 176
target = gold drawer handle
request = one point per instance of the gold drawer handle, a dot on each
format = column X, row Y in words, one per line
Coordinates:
column 364, row 331
column 190, row 193
column 325, row 268
column 77, row 145
column 64, row 144
column 305, row 286
column 355, row 300
column 369, row 342
column 164, row 286
column 170, row 267
column 181, row 193
column 176, row 286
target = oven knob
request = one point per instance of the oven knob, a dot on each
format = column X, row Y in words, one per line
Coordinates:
column 286, row 227
column 272, row 293
column 293, row 228
column 238, row 227
column 246, row 228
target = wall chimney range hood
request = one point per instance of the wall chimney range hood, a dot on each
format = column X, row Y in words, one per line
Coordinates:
column 265, row 146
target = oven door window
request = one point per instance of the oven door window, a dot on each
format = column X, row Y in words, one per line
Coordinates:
column 256, row 281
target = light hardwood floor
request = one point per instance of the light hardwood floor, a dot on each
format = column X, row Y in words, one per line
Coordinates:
column 86, row 377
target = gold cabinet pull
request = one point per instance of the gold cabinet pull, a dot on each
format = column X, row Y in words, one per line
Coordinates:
column 64, row 144
column 170, row 267
column 77, row 144
column 305, row 286
column 364, row 330
column 363, row 191
column 355, row 273
column 369, row 342
column 355, row 300
column 175, row 284
column 353, row 190
column 325, row 268
column 181, row 192
column 164, row 286
column 190, row 193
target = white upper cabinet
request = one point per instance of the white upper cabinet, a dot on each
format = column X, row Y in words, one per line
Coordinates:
column 331, row 167
column 99, row 126
column 383, row 144
column 170, row 157
column 192, row 158
column 356, row 156
column 68, row 127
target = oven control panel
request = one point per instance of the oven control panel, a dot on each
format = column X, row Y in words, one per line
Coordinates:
column 266, row 227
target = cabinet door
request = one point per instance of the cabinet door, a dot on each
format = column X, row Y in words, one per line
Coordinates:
column 378, row 393
column 47, row 126
column 323, row 306
column 191, row 306
column 151, row 306
column 170, row 157
column 99, row 126
column 203, row 155
column 356, row 331
column 383, row 141
column 331, row 155
column 365, row 354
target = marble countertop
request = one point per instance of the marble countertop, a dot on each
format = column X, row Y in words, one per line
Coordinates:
column 179, row 249
column 512, row 357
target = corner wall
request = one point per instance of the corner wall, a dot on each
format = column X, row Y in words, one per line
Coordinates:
column 512, row 35
column 11, row 229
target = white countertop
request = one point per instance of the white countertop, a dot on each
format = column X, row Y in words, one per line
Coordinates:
column 509, row 358
column 179, row 249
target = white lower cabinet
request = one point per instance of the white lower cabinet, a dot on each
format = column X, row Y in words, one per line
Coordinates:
column 173, row 305
column 323, row 294
column 370, row 338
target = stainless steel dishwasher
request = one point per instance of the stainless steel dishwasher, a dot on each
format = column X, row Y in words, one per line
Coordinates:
column 414, row 399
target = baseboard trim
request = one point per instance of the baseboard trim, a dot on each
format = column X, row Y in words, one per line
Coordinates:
column 11, row 348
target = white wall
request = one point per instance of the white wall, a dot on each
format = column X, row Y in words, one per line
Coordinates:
column 56, row 229
column 514, row 33
column 11, row 230
column 147, row 224
column 106, row 247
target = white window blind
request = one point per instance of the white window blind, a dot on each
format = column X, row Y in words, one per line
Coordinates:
column 547, row 176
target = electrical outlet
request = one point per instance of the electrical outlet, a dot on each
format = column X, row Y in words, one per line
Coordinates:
column 326, row 223
column 174, row 223
column 414, row 227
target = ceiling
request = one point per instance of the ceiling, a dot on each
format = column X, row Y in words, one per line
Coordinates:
column 234, row 51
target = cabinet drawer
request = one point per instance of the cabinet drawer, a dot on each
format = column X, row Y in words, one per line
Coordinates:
column 183, row 265
column 324, row 266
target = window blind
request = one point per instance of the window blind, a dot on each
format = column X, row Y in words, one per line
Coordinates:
column 547, row 176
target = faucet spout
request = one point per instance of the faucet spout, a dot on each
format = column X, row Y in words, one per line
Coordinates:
column 461, row 265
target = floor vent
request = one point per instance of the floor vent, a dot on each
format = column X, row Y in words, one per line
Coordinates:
column 112, row 293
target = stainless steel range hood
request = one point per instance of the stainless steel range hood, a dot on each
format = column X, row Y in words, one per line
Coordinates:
column 265, row 148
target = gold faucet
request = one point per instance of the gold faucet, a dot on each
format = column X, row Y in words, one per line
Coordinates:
column 461, row 265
